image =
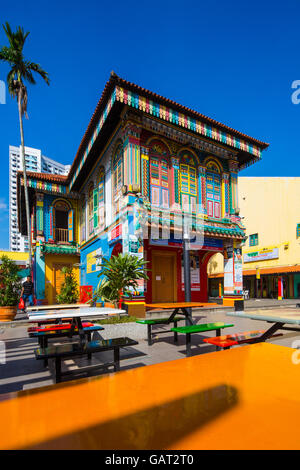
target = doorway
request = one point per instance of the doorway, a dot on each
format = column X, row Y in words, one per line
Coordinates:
column 164, row 277
column 58, row 278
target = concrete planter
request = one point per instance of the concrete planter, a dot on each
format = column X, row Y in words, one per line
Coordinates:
column 131, row 330
column 7, row 313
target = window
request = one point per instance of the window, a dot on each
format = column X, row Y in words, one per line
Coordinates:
column 159, row 178
column 117, row 174
column 91, row 208
column 82, row 220
column 213, row 190
column 253, row 239
column 101, row 196
column 188, row 182
column 298, row 230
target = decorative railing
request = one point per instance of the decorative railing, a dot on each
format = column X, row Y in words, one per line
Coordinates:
column 62, row 235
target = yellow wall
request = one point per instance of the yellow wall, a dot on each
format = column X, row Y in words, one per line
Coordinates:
column 270, row 207
column 15, row 255
column 49, row 273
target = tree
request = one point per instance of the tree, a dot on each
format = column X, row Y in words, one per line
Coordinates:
column 120, row 275
column 69, row 290
column 20, row 70
column 10, row 282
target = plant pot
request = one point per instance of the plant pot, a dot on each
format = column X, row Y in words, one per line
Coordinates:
column 109, row 305
column 7, row 313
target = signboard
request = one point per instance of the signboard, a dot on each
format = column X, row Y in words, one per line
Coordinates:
column 238, row 271
column 262, row 255
column 228, row 270
column 195, row 273
column 116, row 232
column 93, row 261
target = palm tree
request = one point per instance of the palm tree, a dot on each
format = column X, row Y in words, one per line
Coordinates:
column 119, row 276
column 20, row 70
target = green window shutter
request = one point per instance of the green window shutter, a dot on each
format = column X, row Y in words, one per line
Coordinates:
column 298, row 230
column 95, row 207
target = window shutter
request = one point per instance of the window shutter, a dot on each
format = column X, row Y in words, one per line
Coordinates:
column 70, row 224
column 95, row 207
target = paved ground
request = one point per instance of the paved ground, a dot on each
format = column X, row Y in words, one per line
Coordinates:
column 21, row 371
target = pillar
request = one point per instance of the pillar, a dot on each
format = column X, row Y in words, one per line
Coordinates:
column 225, row 195
column 40, row 217
column 202, row 188
column 280, row 288
column 233, row 272
column 233, row 189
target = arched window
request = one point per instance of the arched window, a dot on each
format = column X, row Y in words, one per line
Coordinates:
column 61, row 222
column 188, row 181
column 159, row 174
column 101, row 196
column 117, row 176
column 91, row 208
column 213, row 189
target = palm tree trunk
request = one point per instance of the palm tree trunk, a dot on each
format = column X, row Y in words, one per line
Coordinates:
column 25, row 181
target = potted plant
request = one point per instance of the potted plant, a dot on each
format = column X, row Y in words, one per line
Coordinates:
column 10, row 287
column 119, row 276
column 69, row 293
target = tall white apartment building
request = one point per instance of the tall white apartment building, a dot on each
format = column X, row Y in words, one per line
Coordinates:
column 37, row 163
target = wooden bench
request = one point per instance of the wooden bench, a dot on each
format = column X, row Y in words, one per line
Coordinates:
column 44, row 335
column 160, row 321
column 202, row 328
column 68, row 350
column 226, row 341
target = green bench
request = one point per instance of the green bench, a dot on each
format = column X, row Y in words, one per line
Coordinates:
column 160, row 321
column 202, row 328
column 68, row 350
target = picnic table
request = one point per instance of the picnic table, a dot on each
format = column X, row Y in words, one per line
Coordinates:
column 181, row 308
column 75, row 315
column 36, row 308
column 279, row 318
column 242, row 398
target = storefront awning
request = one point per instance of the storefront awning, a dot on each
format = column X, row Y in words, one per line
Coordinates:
column 273, row 270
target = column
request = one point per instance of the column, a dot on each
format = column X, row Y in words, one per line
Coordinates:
column 233, row 169
column 233, row 272
column 225, row 195
column 202, row 188
column 40, row 216
column 175, row 184
column 145, row 171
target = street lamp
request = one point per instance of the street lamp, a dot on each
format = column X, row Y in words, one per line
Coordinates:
column 186, row 268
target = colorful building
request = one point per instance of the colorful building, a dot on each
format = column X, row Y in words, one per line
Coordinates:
column 271, row 253
column 146, row 168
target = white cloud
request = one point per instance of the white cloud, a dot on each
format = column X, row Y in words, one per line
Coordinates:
column 3, row 205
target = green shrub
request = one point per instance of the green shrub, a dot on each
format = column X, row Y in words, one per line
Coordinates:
column 10, row 283
column 69, row 293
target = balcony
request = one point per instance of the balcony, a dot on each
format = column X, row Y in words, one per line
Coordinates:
column 61, row 235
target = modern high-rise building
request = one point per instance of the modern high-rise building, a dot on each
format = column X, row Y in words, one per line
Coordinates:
column 35, row 162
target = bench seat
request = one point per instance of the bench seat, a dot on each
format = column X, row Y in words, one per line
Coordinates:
column 226, row 341
column 43, row 336
column 68, row 350
column 160, row 321
column 55, row 327
column 201, row 328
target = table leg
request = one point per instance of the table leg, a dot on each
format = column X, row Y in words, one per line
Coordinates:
column 173, row 315
column 267, row 334
column 188, row 344
column 149, row 335
column 58, row 369
column 188, row 316
column 175, row 333
column 117, row 359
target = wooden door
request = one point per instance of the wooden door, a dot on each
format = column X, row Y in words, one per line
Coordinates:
column 58, row 279
column 163, row 277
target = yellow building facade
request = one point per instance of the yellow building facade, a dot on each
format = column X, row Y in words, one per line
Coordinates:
column 270, row 210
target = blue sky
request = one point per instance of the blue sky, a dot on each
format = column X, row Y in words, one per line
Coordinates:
column 233, row 61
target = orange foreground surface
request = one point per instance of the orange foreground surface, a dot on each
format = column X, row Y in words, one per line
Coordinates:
column 244, row 398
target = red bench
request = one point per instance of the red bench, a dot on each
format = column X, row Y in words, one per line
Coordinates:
column 226, row 341
column 56, row 327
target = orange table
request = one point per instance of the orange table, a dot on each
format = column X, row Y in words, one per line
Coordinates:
column 181, row 308
column 243, row 398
